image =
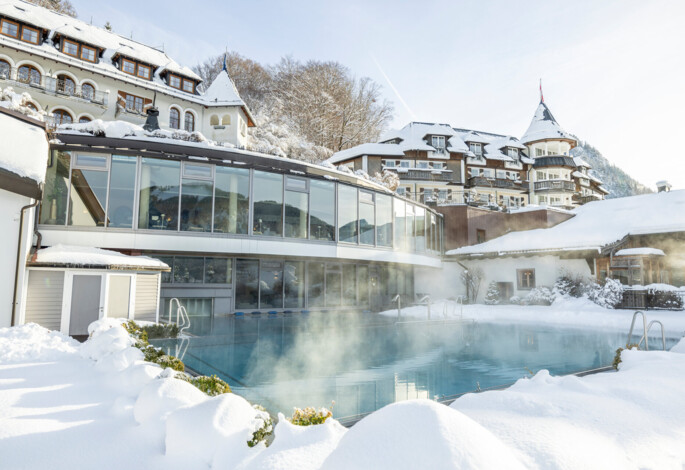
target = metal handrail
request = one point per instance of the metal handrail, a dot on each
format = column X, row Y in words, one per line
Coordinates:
column 663, row 335
column 398, row 299
column 427, row 300
column 632, row 326
column 182, row 318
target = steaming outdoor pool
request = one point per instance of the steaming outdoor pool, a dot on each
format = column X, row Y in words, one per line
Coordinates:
column 365, row 361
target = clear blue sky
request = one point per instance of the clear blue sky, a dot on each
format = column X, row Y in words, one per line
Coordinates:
column 613, row 71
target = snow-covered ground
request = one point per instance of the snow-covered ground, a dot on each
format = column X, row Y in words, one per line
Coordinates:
column 572, row 312
column 98, row 405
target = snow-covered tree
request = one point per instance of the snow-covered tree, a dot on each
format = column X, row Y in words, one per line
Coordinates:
column 60, row 6
column 492, row 296
column 471, row 279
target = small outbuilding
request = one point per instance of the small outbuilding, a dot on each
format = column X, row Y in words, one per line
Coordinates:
column 69, row 287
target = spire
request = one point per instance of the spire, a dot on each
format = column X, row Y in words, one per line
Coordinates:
column 542, row 97
column 544, row 126
column 225, row 67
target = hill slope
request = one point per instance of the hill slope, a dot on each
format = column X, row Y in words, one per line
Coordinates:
column 616, row 181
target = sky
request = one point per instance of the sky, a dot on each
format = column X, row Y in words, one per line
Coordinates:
column 613, row 72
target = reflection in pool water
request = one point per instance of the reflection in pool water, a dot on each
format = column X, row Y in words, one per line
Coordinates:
column 365, row 361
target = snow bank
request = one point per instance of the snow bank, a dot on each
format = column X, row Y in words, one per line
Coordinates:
column 226, row 422
column 300, row 447
column 162, row 396
column 420, row 434
column 90, row 256
column 32, row 342
column 24, row 149
column 680, row 347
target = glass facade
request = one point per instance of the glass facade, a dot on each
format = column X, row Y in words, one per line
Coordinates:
column 141, row 193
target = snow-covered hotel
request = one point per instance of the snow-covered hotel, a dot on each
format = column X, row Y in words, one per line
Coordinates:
column 437, row 163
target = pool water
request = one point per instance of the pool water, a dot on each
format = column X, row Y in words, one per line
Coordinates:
column 363, row 362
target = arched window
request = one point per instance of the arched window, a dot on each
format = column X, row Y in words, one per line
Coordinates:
column 28, row 74
column 87, row 91
column 32, row 106
column 84, row 119
column 174, row 119
column 226, row 120
column 65, row 85
column 62, row 117
column 214, row 120
column 189, row 122
column 4, row 69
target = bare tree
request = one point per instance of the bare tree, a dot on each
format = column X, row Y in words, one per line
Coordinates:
column 471, row 279
column 60, row 6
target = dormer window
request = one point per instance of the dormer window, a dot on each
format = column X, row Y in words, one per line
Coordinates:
column 9, row 28
column 438, row 142
column 88, row 53
column 476, row 148
column 513, row 153
column 188, row 86
column 128, row 66
column 144, row 71
column 136, row 69
column 181, row 83
column 70, row 48
column 175, row 81
column 30, row 35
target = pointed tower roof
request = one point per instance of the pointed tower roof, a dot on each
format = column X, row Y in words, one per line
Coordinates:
column 223, row 92
column 544, row 126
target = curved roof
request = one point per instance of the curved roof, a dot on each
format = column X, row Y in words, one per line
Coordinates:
column 544, row 126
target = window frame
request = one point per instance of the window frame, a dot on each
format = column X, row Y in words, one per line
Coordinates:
column 134, row 109
column 180, row 81
column 88, row 48
column 62, row 111
column 530, row 281
column 178, row 119
column 185, row 121
column 124, row 60
column 438, row 139
column 66, row 41
column 17, row 25
column 35, row 30
column 476, row 148
column 184, row 81
column 146, row 67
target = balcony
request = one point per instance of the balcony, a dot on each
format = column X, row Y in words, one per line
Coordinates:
column 424, row 174
column 555, row 185
column 480, row 181
column 52, row 86
column 585, row 199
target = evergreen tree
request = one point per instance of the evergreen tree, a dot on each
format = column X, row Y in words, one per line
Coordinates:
column 492, row 296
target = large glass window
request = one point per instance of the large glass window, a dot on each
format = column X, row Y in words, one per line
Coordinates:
column 315, row 272
column 411, row 239
column 29, row 74
column 271, row 284
column 231, row 200
column 122, row 191
column 349, row 284
column 363, row 279
column 88, row 201
column 268, row 204
column 322, row 210
column 294, row 284
column 333, row 285
column 420, row 226
column 383, row 220
column 158, row 205
column 367, row 218
column 218, row 270
column 347, row 214
column 400, row 225
column 296, row 207
column 246, row 283
column 53, row 207
column 188, row 270
column 196, row 198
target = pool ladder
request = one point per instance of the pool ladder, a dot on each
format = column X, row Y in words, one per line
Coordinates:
column 645, row 328
column 182, row 318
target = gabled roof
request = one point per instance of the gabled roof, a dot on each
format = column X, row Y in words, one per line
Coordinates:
column 223, row 92
column 544, row 126
column 23, row 153
column 596, row 225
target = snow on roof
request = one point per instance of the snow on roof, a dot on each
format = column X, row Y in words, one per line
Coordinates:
column 59, row 24
column 580, row 162
column 544, row 126
column 73, row 256
column 23, row 148
column 386, row 150
column 595, row 225
column 223, row 90
column 640, row 251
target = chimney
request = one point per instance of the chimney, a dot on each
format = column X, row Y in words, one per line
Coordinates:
column 151, row 123
column 663, row 186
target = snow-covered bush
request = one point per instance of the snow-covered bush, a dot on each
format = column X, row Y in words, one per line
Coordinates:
column 492, row 296
column 264, row 427
column 617, row 357
column 211, row 385
column 607, row 295
column 568, row 285
column 515, row 300
column 540, row 296
column 664, row 299
column 310, row 416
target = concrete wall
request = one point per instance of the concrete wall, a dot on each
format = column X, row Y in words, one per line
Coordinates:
column 10, row 207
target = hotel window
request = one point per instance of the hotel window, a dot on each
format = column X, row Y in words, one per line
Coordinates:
column 128, row 66
column 513, row 153
column 197, row 189
column 62, row 117
column 539, row 152
column 174, row 118
column 9, row 28
column 143, row 71
column 525, row 279
column 420, row 228
column 231, row 200
column 29, row 74
column 189, row 121
column 158, row 194
column 175, row 81
column 400, row 224
column 541, row 176
column 88, row 53
column 70, row 48
column 384, row 220
column 84, row 119
column 122, row 190
column 5, row 69
column 87, row 91
column 438, row 165
column 404, row 164
column 367, row 218
column 65, row 85
column 322, row 210
column 347, row 214
column 389, row 163
column 476, row 148
column 296, row 207
column 267, row 194
column 422, row 164
column 134, row 103
column 188, row 86
column 30, row 35
column 438, row 142
column 88, row 195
